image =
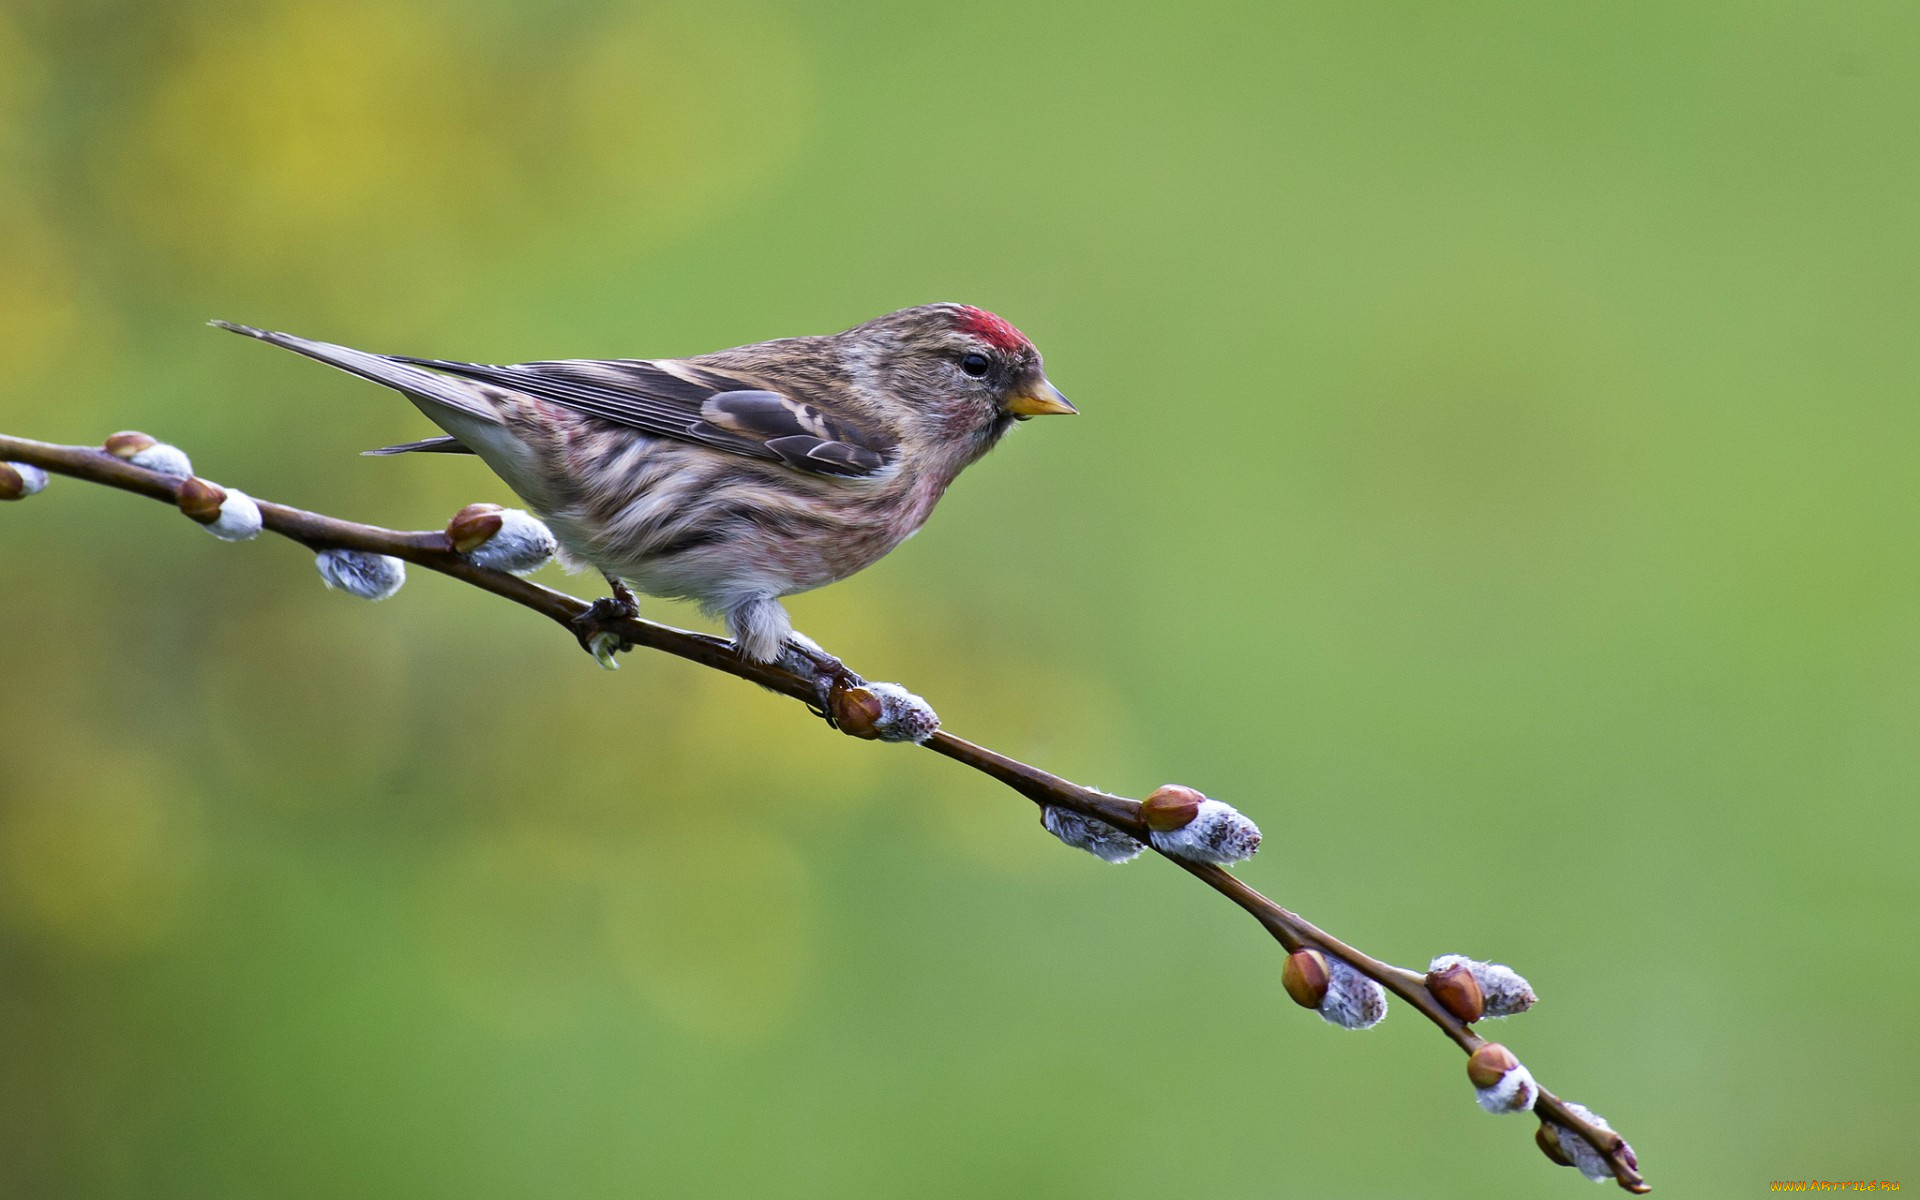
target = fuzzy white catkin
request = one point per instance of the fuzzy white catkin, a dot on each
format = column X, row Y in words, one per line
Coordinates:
column 1094, row 836
column 239, row 518
column 1591, row 1162
column 522, row 545
column 904, row 717
column 1502, row 988
column 32, row 478
column 1217, row 834
column 1353, row 1001
column 166, row 459
column 358, row 573
column 1515, row 1092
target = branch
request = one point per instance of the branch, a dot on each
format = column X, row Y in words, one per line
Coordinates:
column 1569, row 1134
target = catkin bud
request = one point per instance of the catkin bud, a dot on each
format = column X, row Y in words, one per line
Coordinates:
column 1094, row 836
column 161, row 457
column 1454, row 986
column 1503, row 992
column 20, row 480
column 883, row 712
column 1353, row 1001
column 228, row 514
column 502, row 539
column 358, row 573
column 1590, row 1161
column 1305, row 977
column 1198, row 830
column 1501, row 1084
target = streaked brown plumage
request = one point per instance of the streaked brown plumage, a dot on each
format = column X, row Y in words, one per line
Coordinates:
column 741, row 476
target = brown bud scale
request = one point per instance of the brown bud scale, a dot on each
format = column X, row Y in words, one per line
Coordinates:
column 473, row 525
column 1304, row 975
column 1458, row 992
column 1171, row 807
column 200, row 499
column 855, row 711
column 12, row 485
column 1489, row 1063
column 128, row 443
column 1548, row 1139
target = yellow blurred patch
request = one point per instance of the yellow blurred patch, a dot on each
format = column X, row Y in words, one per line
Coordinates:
column 39, row 310
column 98, row 851
column 302, row 121
column 355, row 139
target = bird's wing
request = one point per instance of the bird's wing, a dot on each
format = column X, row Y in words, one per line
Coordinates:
column 693, row 404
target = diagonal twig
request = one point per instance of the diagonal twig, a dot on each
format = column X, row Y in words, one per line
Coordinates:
column 433, row 550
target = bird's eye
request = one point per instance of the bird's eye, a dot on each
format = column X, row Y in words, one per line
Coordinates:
column 975, row 365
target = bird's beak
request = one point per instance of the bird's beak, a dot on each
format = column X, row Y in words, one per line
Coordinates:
column 1039, row 399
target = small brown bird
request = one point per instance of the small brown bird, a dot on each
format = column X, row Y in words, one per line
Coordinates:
column 737, row 477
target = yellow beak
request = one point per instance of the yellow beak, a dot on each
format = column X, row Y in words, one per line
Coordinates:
column 1040, row 399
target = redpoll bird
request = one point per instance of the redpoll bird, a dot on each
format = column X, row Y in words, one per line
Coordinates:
column 737, row 477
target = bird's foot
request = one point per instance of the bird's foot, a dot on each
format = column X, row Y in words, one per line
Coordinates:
column 591, row 626
column 804, row 657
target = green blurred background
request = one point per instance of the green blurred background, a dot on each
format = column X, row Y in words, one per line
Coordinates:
column 1496, row 476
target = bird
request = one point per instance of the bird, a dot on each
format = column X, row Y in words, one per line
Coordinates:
column 735, row 478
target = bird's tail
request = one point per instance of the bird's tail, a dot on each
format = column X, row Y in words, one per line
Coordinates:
column 416, row 382
column 462, row 408
column 439, row 445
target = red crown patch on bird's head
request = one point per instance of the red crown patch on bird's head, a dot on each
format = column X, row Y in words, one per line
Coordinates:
column 995, row 331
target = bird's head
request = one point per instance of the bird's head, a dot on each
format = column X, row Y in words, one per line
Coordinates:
column 966, row 374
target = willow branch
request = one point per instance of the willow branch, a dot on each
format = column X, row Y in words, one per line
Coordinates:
column 434, row 551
